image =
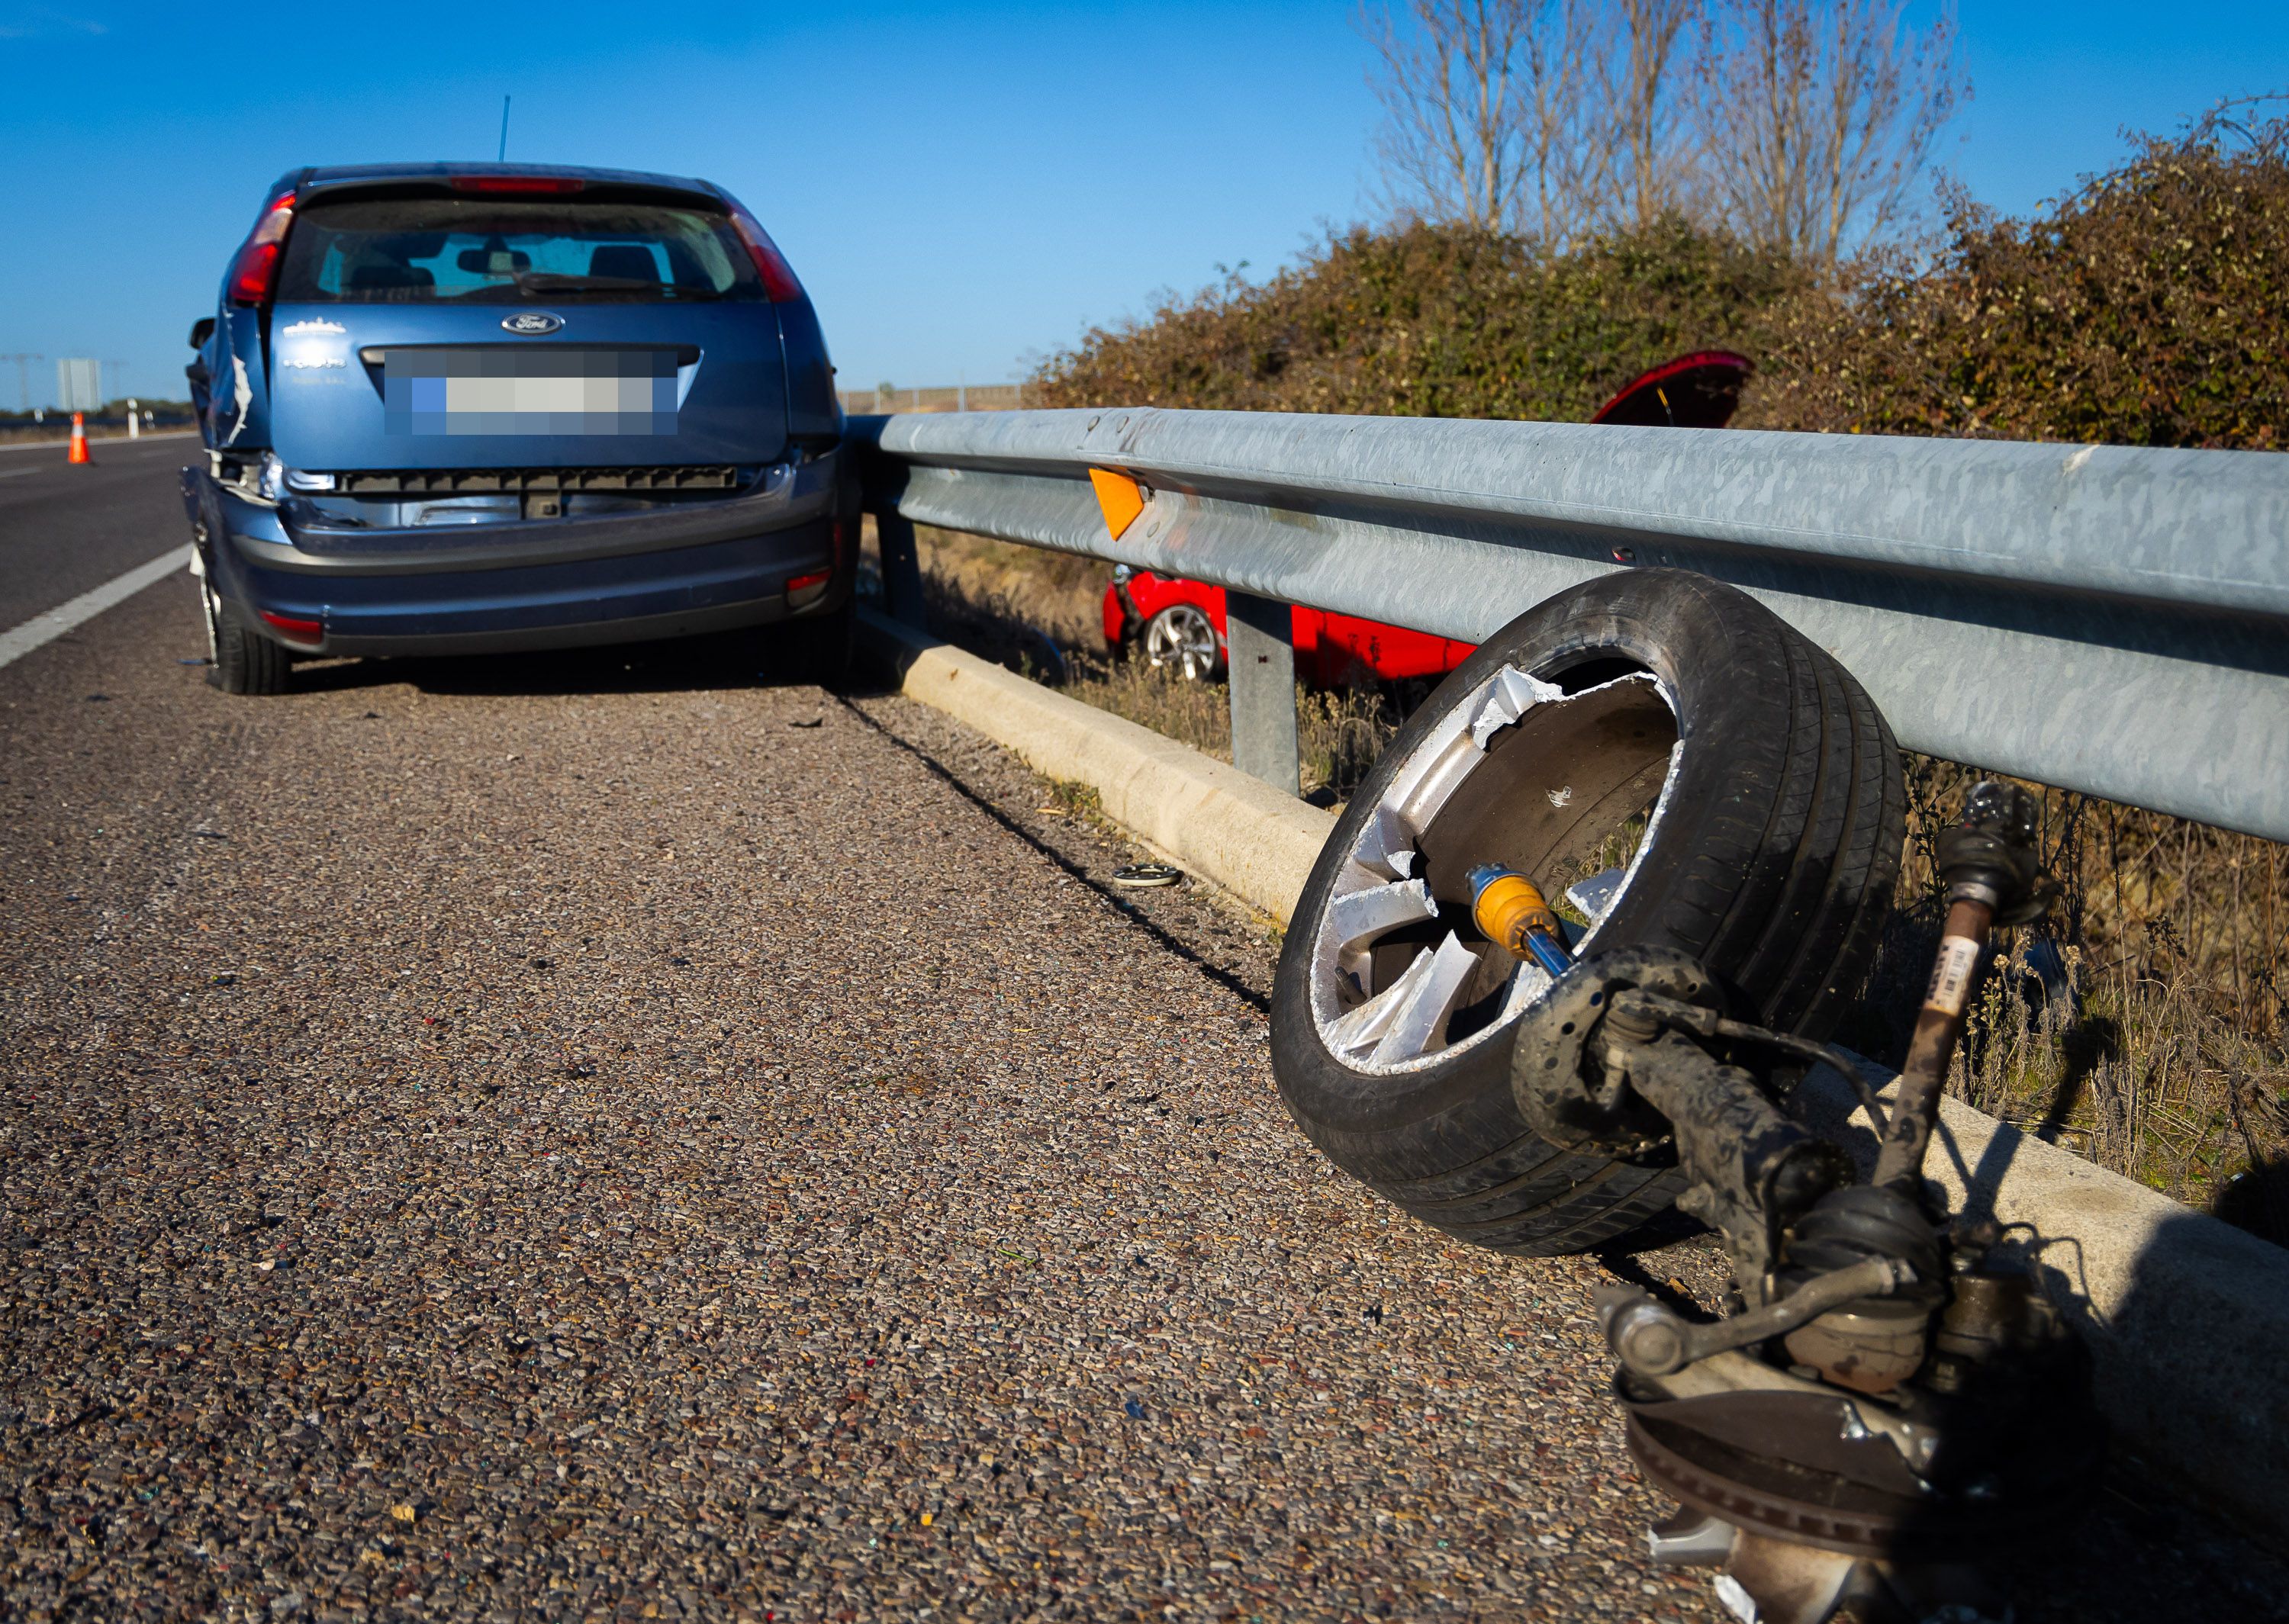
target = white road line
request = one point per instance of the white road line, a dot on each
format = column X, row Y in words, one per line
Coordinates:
column 18, row 642
column 59, row 445
column 17, row 473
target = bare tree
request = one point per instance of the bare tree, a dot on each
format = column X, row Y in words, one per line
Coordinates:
column 1646, row 56
column 1491, row 112
column 1450, row 138
column 1822, row 119
column 1560, row 141
column 1806, row 125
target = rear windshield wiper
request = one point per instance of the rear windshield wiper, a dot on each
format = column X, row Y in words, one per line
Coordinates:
column 557, row 281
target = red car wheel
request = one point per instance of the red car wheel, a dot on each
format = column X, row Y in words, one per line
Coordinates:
column 1182, row 639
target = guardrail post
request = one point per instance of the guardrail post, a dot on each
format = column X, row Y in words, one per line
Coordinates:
column 1260, row 641
column 902, row 568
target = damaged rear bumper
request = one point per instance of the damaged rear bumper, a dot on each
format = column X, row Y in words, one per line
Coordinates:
column 777, row 551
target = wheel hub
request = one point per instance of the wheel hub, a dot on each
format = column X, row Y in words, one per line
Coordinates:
column 1521, row 774
column 1180, row 639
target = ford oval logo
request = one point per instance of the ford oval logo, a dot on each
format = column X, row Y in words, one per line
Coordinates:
column 532, row 323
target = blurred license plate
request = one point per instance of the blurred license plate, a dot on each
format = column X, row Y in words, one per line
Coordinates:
column 552, row 391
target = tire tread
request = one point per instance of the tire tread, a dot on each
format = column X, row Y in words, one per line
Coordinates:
column 1777, row 877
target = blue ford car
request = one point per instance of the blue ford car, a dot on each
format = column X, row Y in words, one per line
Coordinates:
column 476, row 408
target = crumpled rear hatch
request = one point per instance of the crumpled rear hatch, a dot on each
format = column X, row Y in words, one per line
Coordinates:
column 1697, row 391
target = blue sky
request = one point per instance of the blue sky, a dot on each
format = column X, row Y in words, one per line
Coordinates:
column 963, row 188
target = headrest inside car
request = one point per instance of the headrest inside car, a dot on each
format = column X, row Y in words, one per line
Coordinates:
column 368, row 278
column 494, row 262
column 628, row 261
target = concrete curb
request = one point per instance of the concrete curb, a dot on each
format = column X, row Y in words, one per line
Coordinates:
column 2186, row 1318
column 1211, row 818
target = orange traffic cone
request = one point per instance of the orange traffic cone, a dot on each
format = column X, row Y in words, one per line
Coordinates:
column 78, row 441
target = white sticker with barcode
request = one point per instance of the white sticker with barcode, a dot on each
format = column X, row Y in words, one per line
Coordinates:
column 1951, row 979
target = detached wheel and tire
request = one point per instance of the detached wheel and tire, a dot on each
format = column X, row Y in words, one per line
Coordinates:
column 1182, row 639
column 241, row 660
column 1681, row 765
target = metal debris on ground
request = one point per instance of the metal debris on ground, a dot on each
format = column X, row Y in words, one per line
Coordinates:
column 1145, row 876
column 1893, row 1409
column 1926, row 1410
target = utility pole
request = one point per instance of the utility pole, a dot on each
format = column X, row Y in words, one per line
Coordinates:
column 23, row 378
column 504, row 141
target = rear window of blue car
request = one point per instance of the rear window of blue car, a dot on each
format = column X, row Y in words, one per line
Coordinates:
column 402, row 251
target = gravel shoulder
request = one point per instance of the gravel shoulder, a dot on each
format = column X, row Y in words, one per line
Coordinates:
column 598, row 1137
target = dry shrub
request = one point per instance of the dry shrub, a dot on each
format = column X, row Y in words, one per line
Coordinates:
column 2147, row 308
column 1436, row 322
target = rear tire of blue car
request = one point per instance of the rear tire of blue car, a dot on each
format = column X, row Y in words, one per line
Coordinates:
column 241, row 660
column 814, row 649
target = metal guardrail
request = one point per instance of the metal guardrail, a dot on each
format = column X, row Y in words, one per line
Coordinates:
column 2109, row 619
column 939, row 397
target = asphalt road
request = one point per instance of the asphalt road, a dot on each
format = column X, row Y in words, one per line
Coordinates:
column 65, row 530
column 600, row 1136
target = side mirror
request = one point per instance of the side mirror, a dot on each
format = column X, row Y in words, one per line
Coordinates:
column 202, row 330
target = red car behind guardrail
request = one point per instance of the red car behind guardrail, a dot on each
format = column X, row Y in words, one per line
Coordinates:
column 1179, row 623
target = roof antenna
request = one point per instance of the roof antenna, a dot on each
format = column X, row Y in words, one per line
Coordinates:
column 504, row 145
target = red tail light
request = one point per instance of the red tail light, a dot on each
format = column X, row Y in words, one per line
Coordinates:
column 254, row 276
column 549, row 184
column 310, row 632
column 796, row 583
column 779, row 286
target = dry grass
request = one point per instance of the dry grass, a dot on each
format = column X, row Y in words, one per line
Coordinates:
column 991, row 596
column 2145, row 1025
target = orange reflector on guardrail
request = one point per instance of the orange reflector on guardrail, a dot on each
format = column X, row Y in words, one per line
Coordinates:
column 1121, row 498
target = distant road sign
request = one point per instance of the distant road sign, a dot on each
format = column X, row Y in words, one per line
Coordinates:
column 79, row 383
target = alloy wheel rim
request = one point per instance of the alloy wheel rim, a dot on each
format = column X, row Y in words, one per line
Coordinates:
column 1383, row 1009
column 1181, row 638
